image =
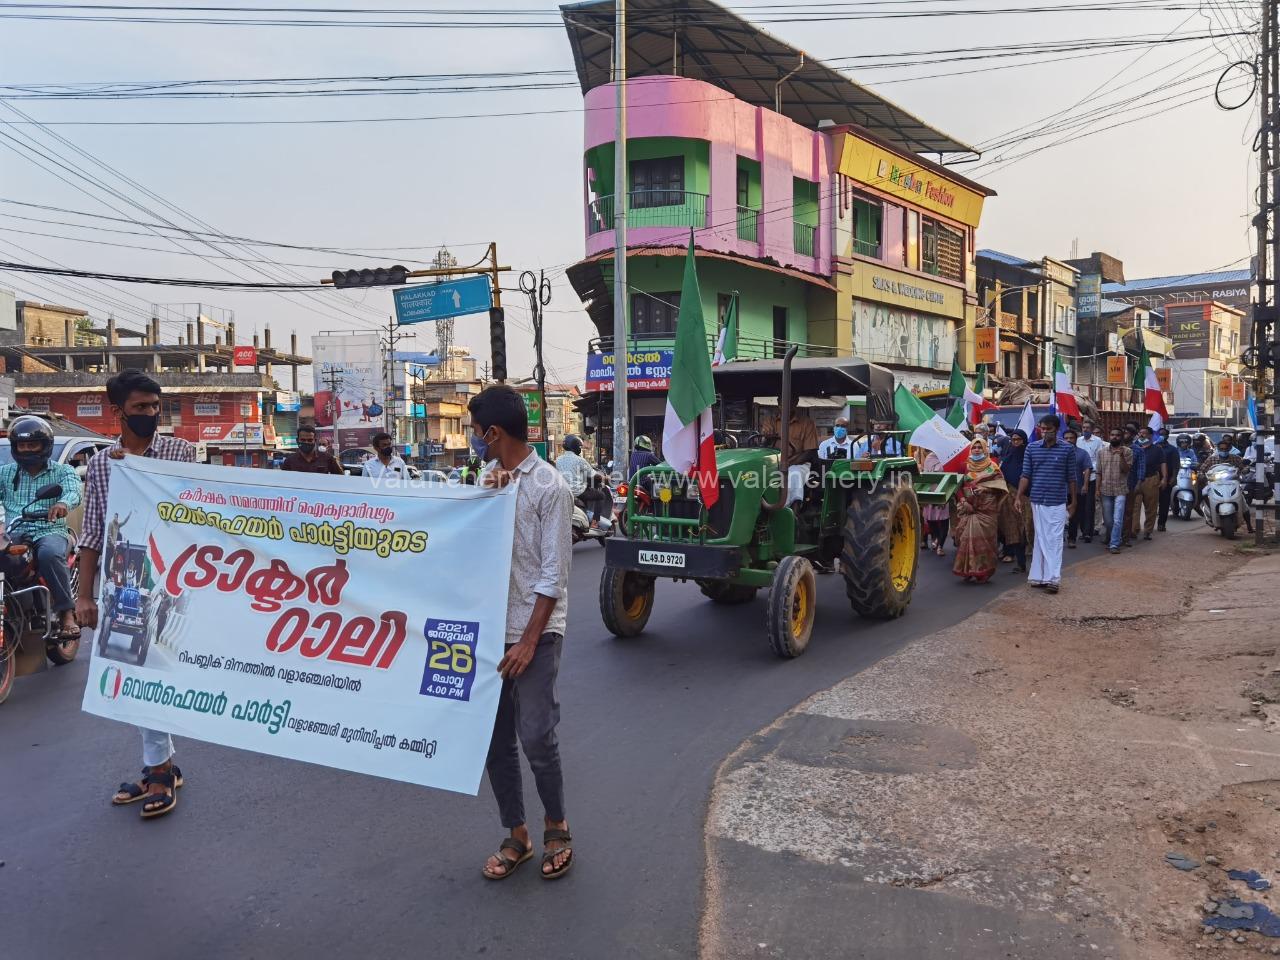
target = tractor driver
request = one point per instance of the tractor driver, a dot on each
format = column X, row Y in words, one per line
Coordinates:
column 801, row 432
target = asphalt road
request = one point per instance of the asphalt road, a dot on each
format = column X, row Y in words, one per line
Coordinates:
column 269, row 858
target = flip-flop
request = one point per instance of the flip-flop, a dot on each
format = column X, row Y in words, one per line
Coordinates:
column 549, row 855
column 522, row 852
column 137, row 790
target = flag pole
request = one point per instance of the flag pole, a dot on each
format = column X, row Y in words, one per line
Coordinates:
column 621, row 327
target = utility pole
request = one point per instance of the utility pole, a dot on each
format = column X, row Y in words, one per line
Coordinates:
column 621, row 326
column 1264, row 353
column 538, row 290
column 334, row 380
column 393, row 337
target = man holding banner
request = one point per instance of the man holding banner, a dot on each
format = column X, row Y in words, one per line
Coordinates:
column 135, row 399
column 537, row 603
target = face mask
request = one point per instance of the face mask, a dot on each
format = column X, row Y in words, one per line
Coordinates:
column 307, row 446
column 841, row 433
column 384, row 453
column 480, row 447
column 1225, row 451
column 1144, row 441
column 976, row 455
column 142, row 425
column 1087, row 433
column 1115, row 441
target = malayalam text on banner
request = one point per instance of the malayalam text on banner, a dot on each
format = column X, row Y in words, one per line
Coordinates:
column 318, row 618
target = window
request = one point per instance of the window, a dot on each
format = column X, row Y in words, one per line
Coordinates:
column 744, row 188
column 941, row 250
column 654, row 314
column 170, row 412
column 1059, row 318
column 894, row 246
column 246, row 410
column 868, row 216
column 722, row 307
column 657, row 183
column 1071, row 320
column 913, row 240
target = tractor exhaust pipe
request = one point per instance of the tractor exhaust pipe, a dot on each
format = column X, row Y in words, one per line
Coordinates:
column 784, row 430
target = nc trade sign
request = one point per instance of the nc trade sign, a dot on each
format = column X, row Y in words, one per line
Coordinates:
column 646, row 370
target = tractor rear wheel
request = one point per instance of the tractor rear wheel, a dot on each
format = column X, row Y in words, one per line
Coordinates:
column 793, row 602
column 718, row 591
column 881, row 549
column 626, row 600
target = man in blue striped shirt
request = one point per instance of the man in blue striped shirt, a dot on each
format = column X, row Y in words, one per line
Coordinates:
column 1049, row 482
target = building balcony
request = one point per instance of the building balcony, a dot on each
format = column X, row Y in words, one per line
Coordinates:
column 864, row 248
column 749, row 348
column 802, row 238
column 749, row 224
column 650, row 208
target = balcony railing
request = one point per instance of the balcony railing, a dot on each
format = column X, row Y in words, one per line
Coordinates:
column 802, row 238
column 749, row 224
column 651, row 208
column 863, row 248
column 749, row 348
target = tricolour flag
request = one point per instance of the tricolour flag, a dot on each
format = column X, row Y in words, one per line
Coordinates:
column 688, row 433
column 727, row 345
column 929, row 431
column 1152, row 399
column 975, row 403
column 956, row 391
column 1064, row 398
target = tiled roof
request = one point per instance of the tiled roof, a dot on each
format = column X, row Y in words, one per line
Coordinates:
column 1184, row 280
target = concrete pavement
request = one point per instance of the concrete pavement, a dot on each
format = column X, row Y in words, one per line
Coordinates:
column 269, row 858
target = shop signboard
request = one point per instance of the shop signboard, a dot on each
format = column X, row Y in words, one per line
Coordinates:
column 646, row 370
column 898, row 288
column 986, row 345
column 244, row 356
column 1117, row 370
column 89, row 406
column 288, row 402
column 1164, row 376
column 206, row 408
column 1089, row 296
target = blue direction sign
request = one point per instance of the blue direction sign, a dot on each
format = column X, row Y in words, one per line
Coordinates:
column 440, row 301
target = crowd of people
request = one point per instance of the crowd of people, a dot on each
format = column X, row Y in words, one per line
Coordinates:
column 1063, row 488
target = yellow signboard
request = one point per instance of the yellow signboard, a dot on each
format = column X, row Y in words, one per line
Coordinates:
column 908, row 179
column 1225, row 389
column 1164, row 376
column 883, row 285
column 1117, row 370
column 986, row 345
column 1238, row 391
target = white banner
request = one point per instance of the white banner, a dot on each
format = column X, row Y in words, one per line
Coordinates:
column 349, row 380
column 320, row 618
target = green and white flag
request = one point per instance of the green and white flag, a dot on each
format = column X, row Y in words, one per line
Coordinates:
column 727, row 347
column 688, row 440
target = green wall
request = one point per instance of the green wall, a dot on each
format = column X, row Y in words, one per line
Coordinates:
column 759, row 292
column 696, row 153
column 753, row 182
column 805, row 201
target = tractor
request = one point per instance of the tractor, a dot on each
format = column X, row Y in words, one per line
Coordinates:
column 863, row 514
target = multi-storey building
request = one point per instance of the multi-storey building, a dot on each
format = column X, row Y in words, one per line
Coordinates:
column 806, row 196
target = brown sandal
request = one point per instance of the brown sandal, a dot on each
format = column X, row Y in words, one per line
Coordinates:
column 133, row 792
column 548, row 856
column 508, row 864
column 158, row 804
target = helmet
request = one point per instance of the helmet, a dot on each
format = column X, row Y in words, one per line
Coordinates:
column 572, row 444
column 1184, row 440
column 644, row 443
column 27, row 429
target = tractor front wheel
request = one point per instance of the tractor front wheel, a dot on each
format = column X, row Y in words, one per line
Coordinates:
column 792, row 605
column 626, row 600
column 730, row 594
column 881, row 549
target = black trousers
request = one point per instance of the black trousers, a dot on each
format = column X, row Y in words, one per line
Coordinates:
column 1166, row 498
column 1081, row 522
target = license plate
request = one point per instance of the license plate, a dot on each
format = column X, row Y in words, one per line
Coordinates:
column 661, row 558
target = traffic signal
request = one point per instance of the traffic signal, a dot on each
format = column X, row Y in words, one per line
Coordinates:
column 376, row 277
column 498, row 343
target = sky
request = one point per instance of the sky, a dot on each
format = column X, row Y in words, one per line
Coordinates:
column 1167, row 194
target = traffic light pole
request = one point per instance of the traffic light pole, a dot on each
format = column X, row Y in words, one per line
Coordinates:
column 621, row 327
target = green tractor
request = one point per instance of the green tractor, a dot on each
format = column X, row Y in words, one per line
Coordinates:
column 763, row 534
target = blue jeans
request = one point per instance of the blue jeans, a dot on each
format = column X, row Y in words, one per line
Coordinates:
column 1113, row 518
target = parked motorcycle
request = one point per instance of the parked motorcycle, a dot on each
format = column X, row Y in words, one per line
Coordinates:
column 1224, row 503
column 28, row 616
column 1185, row 496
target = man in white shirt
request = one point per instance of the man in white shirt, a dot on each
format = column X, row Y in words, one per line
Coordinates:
column 581, row 476
column 385, row 463
column 1092, row 444
column 838, row 446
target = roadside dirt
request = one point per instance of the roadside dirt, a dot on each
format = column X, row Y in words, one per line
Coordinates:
column 1042, row 757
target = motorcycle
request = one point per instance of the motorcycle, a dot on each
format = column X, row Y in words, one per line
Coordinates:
column 28, row 616
column 1185, row 497
column 1224, row 500
column 582, row 529
column 644, row 504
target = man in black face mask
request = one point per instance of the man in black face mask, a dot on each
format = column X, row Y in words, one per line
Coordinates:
column 385, row 463
column 307, row 459
column 135, row 399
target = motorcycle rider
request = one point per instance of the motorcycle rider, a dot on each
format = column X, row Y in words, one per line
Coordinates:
column 581, row 478
column 31, row 444
column 1226, row 454
column 641, row 456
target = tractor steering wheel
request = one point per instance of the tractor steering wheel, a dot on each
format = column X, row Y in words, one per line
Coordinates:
column 753, row 438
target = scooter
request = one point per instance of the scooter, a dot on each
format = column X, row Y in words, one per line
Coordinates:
column 582, row 529
column 28, row 616
column 1224, row 500
column 1185, row 497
